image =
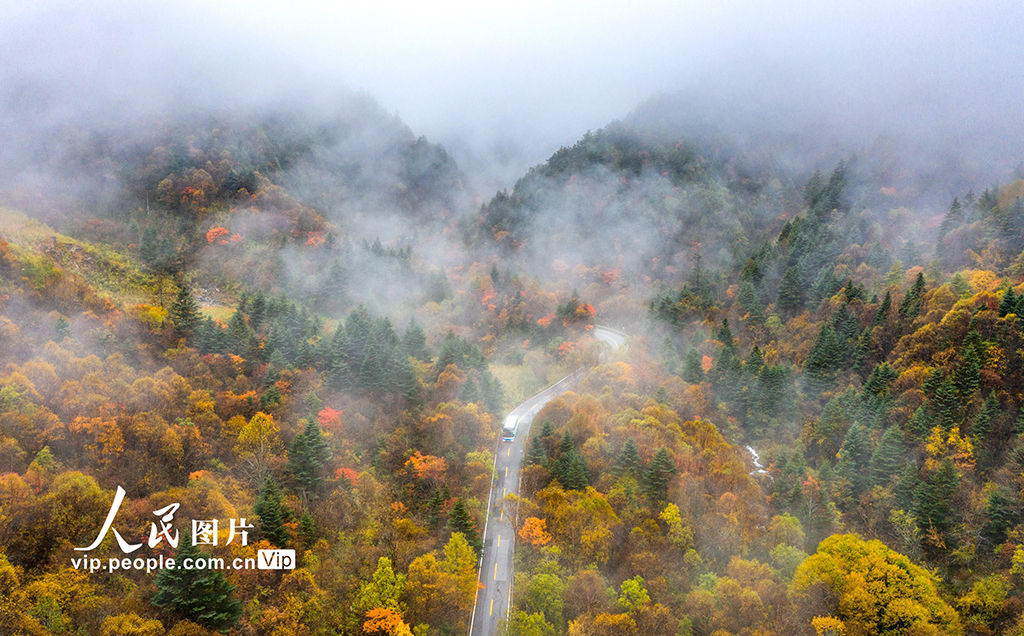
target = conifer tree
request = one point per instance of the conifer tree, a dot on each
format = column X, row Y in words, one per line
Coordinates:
column 693, row 372
column 307, row 530
column 185, row 313
column 854, row 457
column 910, row 307
column 566, row 456
column 1009, row 302
column 725, row 336
column 537, row 455
column 827, row 354
column 577, row 477
column 883, row 309
column 981, row 430
column 306, row 458
column 434, row 508
column 657, row 475
column 414, row 342
column 629, row 458
column 889, row 457
column 933, row 497
column 670, row 355
column 271, row 514
column 461, row 521
column 201, row 596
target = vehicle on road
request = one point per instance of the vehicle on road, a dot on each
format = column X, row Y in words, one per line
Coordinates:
column 508, row 431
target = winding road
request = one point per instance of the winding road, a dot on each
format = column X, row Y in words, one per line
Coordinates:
column 494, row 597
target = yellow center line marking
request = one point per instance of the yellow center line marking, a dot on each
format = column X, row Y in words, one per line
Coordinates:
column 492, row 608
column 509, row 453
column 502, row 493
column 495, row 571
column 499, row 541
column 502, row 515
column 506, row 471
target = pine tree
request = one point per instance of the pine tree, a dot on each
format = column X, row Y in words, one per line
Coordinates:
column 827, row 354
column 877, row 386
column 566, row 456
column 271, row 514
column 414, row 342
column 693, row 372
column 536, row 455
column 306, row 458
column 307, row 530
column 434, row 508
column 201, row 596
column 670, row 355
column 461, row 521
column 750, row 303
column 883, row 309
column 933, row 497
column 754, row 362
column 1008, row 304
column 791, row 294
column 578, row 475
column 910, row 307
column 657, row 475
column 629, row 458
column 185, row 313
column 725, row 336
column 889, row 457
column 854, row 457
column 981, row 430
column 547, row 429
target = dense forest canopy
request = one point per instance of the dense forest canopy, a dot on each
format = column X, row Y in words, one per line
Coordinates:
column 308, row 321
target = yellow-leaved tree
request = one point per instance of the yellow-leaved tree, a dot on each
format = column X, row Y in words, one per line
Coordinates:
column 878, row 590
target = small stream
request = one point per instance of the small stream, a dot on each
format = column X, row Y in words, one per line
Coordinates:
column 758, row 468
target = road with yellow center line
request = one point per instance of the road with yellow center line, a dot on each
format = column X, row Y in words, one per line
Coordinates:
column 497, row 554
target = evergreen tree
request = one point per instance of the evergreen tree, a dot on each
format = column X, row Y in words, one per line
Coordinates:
column 693, row 372
column 825, row 285
column 883, row 309
column 271, row 513
column 791, row 294
column 536, row 455
column 750, row 303
column 547, row 429
column 933, row 497
column 434, row 508
column 889, row 457
column 1008, row 304
column 185, row 313
column 414, row 342
column 725, row 336
column 876, row 389
column 910, row 307
column 981, row 431
column 578, row 475
column 307, row 530
column 854, row 457
column 827, row 354
column 201, row 596
column 461, row 521
column 629, row 458
column 657, row 475
column 566, row 456
column 306, row 458
column 670, row 355
column 789, row 485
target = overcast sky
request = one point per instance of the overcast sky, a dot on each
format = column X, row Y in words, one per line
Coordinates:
column 528, row 76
